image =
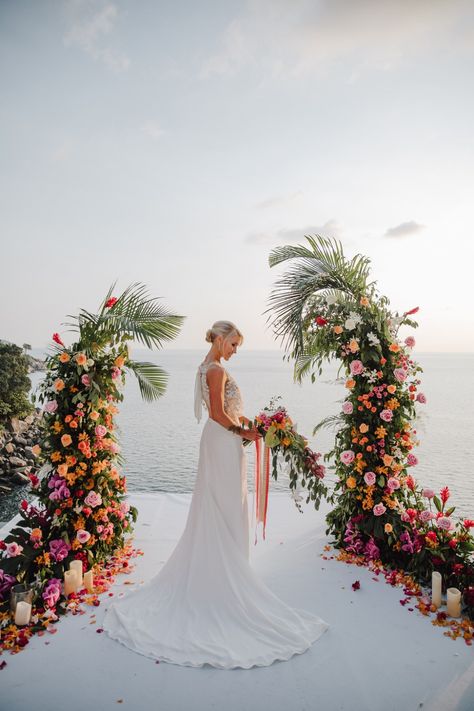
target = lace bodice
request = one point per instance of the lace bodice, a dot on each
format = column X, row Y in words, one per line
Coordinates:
column 233, row 404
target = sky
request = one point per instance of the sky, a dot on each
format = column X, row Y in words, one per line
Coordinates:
column 177, row 143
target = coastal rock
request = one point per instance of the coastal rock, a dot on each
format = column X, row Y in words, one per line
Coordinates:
column 20, row 478
column 9, row 448
column 17, row 426
column 17, row 462
column 20, row 440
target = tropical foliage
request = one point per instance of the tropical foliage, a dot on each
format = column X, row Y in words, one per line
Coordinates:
column 14, row 382
column 324, row 307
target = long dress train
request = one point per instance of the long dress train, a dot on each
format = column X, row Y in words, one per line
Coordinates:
column 206, row 605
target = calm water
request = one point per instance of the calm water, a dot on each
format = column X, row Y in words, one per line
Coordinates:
column 160, row 441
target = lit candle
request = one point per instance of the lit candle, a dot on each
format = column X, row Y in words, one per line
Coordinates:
column 436, row 588
column 70, row 582
column 76, row 565
column 22, row 613
column 453, row 597
column 89, row 581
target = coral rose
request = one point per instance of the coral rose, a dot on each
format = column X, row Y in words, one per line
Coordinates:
column 388, row 528
column 64, row 357
column 363, row 428
column 364, row 301
column 350, row 383
column 337, row 330
column 81, row 359
column 66, row 440
column 58, row 384
column 94, row 415
column 391, row 389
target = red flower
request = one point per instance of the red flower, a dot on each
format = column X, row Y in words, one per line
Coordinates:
column 320, row 321
column 57, row 339
column 413, row 311
column 410, row 482
column 3, row 545
column 356, row 585
column 24, row 504
column 431, row 535
column 445, row 494
column 453, row 543
column 468, row 522
column 110, row 302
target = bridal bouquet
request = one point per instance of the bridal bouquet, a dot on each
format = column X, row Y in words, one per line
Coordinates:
column 285, row 447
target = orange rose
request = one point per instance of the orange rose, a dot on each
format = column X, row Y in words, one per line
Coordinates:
column 81, row 359
column 66, row 440
column 119, row 361
column 62, row 469
column 64, row 357
column 394, row 347
column 364, row 301
column 387, row 460
column 58, row 384
column 94, row 415
column 36, row 449
column 388, row 528
column 353, row 345
column 364, row 428
column 391, row 389
column 337, row 329
column 350, row 383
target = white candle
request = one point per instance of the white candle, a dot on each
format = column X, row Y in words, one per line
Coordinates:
column 70, row 582
column 76, row 565
column 436, row 588
column 22, row 613
column 89, row 581
column 453, row 597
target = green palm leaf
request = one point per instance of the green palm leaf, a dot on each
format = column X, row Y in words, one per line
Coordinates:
column 151, row 378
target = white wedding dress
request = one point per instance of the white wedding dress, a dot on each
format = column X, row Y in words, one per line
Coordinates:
column 206, row 605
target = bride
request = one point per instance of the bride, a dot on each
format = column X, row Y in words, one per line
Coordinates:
column 206, row 605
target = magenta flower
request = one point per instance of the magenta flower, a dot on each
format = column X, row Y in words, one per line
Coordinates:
column 412, row 461
column 59, row 549
column 86, row 380
column 116, row 372
column 369, row 478
column 393, row 483
column 379, row 509
column 421, row 398
column 52, row 592
column 100, row 431
column 347, row 457
column 6, row 583
column 445, row 523
column 347, row 407
column 356, row 367
column 83, row 535
column 386, row 415
column 426, row 515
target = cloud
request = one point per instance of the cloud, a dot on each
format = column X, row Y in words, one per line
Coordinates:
column 291, row 38
column 331, row 228
column 278, row 200
column 92, row 22
column 404, row 229
column 153, row 130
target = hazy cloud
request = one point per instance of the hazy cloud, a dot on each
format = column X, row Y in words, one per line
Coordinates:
column 278, row 200
column 92, row 22
column 153, row 130
column 330, row 228
column 290, row 38
column 404, row 229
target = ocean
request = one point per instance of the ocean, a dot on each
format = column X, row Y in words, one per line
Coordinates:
column 160, row 441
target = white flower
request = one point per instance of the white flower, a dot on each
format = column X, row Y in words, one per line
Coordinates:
column 373, row 339
column 350, row 324
column 355, row 317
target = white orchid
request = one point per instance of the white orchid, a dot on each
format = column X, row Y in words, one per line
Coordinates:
column 373, row 339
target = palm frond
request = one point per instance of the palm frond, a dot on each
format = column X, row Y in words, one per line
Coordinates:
column 321, row 266
column 327, row 422
column 151, row 378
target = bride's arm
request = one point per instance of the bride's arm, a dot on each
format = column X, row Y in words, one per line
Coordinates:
column 216, row 382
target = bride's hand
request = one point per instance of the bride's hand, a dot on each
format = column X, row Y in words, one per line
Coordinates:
column 252, row 434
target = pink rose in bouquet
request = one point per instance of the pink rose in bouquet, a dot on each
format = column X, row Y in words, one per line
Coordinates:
column 347, row 457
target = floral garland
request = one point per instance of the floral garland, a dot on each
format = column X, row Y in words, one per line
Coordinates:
column 328, row 309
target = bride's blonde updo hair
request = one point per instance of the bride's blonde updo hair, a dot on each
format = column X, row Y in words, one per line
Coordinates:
column 222, row 328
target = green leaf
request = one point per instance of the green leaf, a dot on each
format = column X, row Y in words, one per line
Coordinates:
column 437, row 503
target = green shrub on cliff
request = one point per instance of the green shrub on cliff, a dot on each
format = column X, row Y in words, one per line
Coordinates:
column 14, row 382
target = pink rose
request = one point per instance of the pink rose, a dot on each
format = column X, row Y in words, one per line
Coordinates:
column 426, row 516
column 116, row 372
column 379, row 509
column 356, row 367
column 86, row 380
column 114, row 447
column 393, row 483
column 13, row 549
column 347, row 407
column 100, row 431
column 51, row 406
column 124, row 507
column 421, row 398
column 386, row 415
column 428, row 493
column 445, row 523
column 82, row 535
column 412, row 460
column 93, row 499
column 410, row 341
column 347, row 457
column 369, row 478
column 400, row 374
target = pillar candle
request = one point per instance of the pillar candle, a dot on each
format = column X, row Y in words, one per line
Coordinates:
column 89, row 581
column 70, row 582
column 436, row 588
column 22, row 613
column 76, row 565
column 453, row 597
